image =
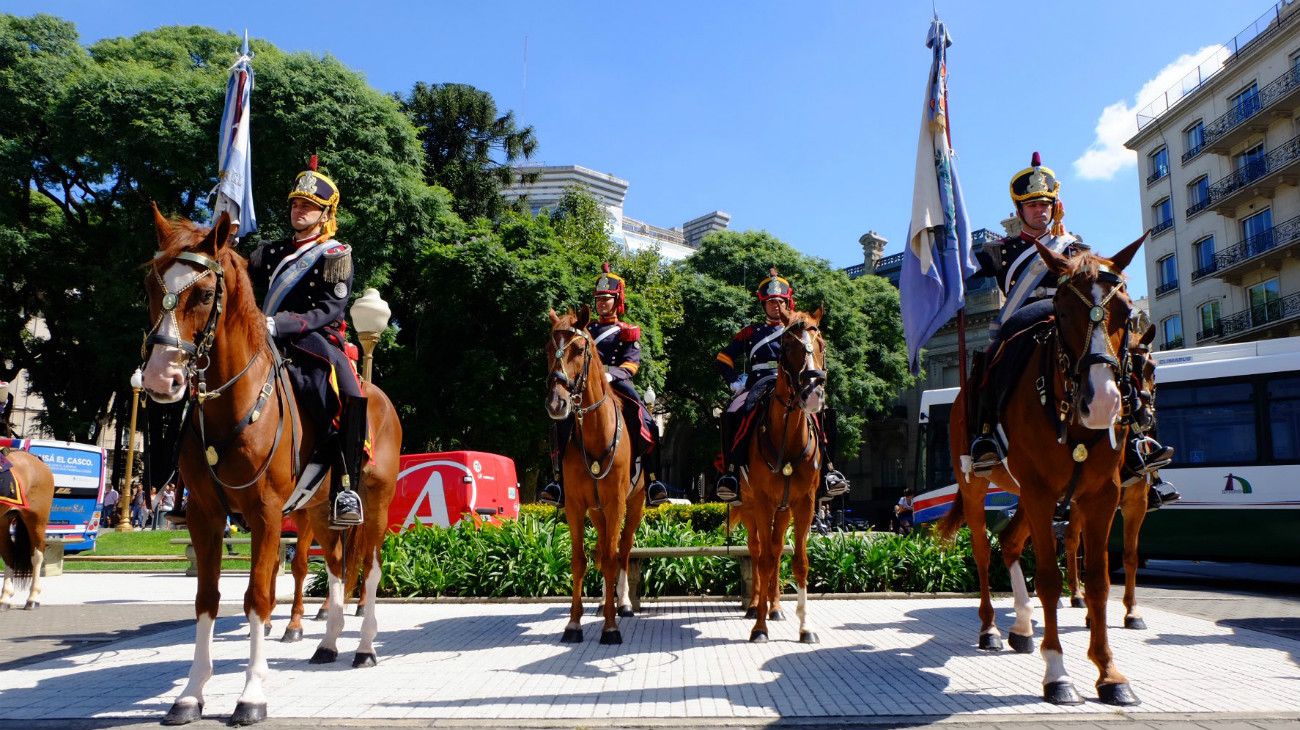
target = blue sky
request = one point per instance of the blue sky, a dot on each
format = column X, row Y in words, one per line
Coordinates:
column 797, row 118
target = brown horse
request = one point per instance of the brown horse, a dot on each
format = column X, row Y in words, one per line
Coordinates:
column 597, row 465
column 24, row 553
column 785, row 466
column 243, row 445
column 1133, row 508
column 1058, row 452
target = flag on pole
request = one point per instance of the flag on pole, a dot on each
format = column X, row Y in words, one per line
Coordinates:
column 234, row 151
column 937, row 259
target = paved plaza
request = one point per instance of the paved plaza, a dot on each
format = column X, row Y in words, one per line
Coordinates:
column 907, row 659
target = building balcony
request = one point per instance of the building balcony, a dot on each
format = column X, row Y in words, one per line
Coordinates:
column 1173, row 344
column 1205, row 270
column 1274, row 318
column 1167, row 287
column 1197, row 207
column 1161, row 227
column 1277, row 100
column 1193, row 153
column 1258, row 178
column 1157, row 175
column 1262, row 250
column 1212, row 333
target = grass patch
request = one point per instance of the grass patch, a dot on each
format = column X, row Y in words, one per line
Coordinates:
column 147, row 542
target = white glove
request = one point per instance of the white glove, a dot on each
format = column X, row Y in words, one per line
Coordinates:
column 270, row 325
column 739, row 384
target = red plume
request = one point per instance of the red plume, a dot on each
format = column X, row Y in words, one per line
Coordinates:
column 1036, row 161
column 605, row 267
column 312, row 165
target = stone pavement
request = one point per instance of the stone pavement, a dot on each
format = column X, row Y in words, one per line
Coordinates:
column 899, row 661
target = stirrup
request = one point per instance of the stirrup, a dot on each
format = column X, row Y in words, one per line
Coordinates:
column 176, row 517
column 835, row 483
column 727, row 488
column 551, row 495
column 347, row 510
column 656, row 493
column 1157, row 499
column 990, row 456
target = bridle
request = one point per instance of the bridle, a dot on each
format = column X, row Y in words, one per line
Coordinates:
column 816, row 378
column 196, row 350
column 577, row 387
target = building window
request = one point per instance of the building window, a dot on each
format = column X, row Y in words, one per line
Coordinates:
column 1257, row 232
column 1264, row 299
column 1194, row 139
column 1162, row 216
column 1204, row 250
column 1250, row 164
column 1210, row 321
column 1198, row 195
column 1246, row 102
column 1158, row 166
column 1168, row 271
column 1173, row 328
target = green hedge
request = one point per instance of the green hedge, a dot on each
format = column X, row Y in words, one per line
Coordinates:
column 529, row 557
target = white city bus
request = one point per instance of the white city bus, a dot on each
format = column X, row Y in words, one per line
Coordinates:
column 1232, row 414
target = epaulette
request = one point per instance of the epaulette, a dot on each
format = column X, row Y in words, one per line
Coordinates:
column 745, row 333
column 628, row 332
column 338, row 262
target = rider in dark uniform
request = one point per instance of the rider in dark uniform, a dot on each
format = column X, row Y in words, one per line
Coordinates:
column 758, row 347
column 308, row 280
column 1020, row 273
column 619, row 349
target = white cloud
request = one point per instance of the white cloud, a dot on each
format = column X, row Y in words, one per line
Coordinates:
column 1118, row 122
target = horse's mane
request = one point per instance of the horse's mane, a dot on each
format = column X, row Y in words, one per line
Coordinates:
column 799, row 321
column 1088, row 264
column 242, row 314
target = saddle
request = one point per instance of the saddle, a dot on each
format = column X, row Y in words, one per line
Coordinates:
column 755, row 402
column 1011, row 362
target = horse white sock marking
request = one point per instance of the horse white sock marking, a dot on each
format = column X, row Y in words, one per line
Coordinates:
column 623, row 589
column 253, row 692
column 201, row 668
column 7, row 592
column 334, row 613
column 369, row 624
column 1024, row 624
column 801, row 608
column 38, row 560
column 1055, row 667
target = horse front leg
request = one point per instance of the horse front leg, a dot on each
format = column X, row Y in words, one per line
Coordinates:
column 575, row 512
column 327, row 651
column 1073, row 531
column 763, row 579
column 972, row 503
column 205, row 536
column 755, row 584
column 635, row 511
column 293, row 632
column 1112, row 686
column 802, row 517
column 259, row 602
column 607, row 541
column 365, row 656
column 1058, row 688
column 1021, row 634
column 1134, row 510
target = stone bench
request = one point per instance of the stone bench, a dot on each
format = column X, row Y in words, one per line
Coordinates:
column 54, row 558
column 740, row 552
column 193, row 570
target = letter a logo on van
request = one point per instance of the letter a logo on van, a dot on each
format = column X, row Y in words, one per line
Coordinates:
column 1229, row 488
column 435, row 495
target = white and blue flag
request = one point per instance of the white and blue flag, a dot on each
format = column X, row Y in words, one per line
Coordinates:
column 234, row 150
column 937, row 259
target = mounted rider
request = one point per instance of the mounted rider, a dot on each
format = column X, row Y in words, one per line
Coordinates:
column 1020, row 274
column 307, row 278
column 759, row 347
column 619, row 350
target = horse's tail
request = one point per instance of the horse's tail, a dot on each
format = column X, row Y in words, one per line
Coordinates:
column 16, row 551
column 948, row 525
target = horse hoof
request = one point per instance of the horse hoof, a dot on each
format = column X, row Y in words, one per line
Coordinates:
column 324, row 656
column 752, row 613
column 1117, row 694
column 612, row 636
column 32, row 605
column 248, row 713
column 1076, row 602
column 757, row 637
column 991, row 642
column 1061, row 693
column 1021, row 644
column 625, row 612
column 571, row 636
column 361, row 610
column 364, row 659
column 776, row 616
column 183, row 714
column 291, row 635
column 320, row 615
column 808, row 637
column 1135, row 622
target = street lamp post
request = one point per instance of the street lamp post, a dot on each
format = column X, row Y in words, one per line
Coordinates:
column 124, row 499
column 370, row 316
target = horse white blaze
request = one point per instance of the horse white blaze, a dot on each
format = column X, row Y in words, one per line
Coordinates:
column 164, row 376
column 1104, row 407
column 253, row 692
column 334, row 612
column 1024, row 623
column 201, row 669
column 814, row 402
column 370, row 624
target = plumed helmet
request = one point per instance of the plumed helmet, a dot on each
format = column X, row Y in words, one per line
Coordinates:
column 775, row 287
column 319, row 189
column 611, row 285
column 1035, row 182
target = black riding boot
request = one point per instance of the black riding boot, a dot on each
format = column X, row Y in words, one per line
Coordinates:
column 346, row 503
column 553, row 493
column 1143, row 455
column 656, row 492
column 1160, row 493
column 986, row 450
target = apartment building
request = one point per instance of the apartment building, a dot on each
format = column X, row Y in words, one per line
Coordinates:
column 1219, row 178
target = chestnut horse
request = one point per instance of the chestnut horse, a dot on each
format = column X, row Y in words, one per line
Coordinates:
column 597, row 463
column 784, row 470
column 1059, row 450
column 1133, row 508
column 24, row 553
column 242, row 449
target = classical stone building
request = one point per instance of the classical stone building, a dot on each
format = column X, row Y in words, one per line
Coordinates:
column 1218, row 176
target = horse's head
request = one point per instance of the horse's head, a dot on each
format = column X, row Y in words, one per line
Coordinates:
column 1092, row 322
column 569, row 352
column 803, row 359
column 187, row 286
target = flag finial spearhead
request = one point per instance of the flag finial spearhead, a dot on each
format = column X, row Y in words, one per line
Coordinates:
column 245, row 49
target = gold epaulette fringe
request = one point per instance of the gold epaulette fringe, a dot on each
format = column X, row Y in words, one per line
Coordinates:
column 338, row 269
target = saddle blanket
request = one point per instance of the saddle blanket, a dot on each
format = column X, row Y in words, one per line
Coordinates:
column 12, row 494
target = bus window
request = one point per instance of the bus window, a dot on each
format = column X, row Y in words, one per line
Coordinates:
column 938, row 457
column 1284, row 417
column 1208, row 423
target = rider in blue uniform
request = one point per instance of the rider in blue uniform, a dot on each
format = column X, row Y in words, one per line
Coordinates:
column 308, row 280
column 758, row 347
column 619, row 350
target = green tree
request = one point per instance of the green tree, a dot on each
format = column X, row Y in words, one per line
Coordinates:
column 866, row 360
column 467, row 147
